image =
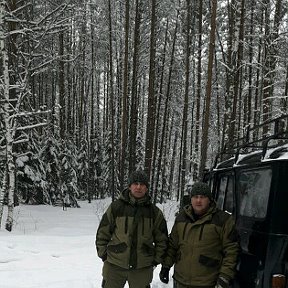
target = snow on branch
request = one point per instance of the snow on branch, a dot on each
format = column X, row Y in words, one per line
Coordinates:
column 24, row 140
column 61, row 7
column 31, row 126
column 26, row 114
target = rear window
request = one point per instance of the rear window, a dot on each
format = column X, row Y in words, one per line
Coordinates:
column 253, row 190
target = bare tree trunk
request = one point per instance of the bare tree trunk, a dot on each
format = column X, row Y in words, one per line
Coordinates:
column 248, row 108
column 155, row 159
column 92, row 135
column 11, row 175
column 4, row 108
column 266, row 67
column 218, row 105
column 236, row 65
column 270, row 58
column 124, row 98
column 150, row 128
column 239, row 69
column 8, row 124
column 173, row 160
column 82, row 94
column 204, row 142
column 198, row 91
column 3, row 190
column 186, row 101
column 257, row 95
column 111, row 102
column 165, row 186
column 70, row 76
column 61, row 84
column 284, row 101
column 134, row 93
column 165, row 117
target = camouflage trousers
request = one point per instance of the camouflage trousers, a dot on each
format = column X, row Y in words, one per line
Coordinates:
column 116, row 277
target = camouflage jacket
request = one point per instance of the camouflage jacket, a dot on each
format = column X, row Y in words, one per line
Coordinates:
column 132, row 233
column 202, row 249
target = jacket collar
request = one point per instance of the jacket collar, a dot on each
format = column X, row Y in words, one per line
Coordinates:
column 127, row 197
column 207, row 216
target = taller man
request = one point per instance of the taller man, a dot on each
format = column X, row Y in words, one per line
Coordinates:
column 132, row 237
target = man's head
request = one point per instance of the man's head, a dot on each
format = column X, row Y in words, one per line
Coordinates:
column 138, row 183
column 201, row 197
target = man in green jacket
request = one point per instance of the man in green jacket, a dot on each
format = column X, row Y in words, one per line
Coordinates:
column 203, row 244
column 132, row 237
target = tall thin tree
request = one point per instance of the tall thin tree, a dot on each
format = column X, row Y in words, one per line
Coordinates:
column 111, row 102
column 186, row 100
column 204, row 142
column 124, row 96
column 134, row 93
column 150, row 128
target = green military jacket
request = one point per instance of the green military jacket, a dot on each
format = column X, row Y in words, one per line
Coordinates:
column 202, row 249
column 132, row 233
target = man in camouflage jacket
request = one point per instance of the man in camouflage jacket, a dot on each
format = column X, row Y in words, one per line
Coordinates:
column 203, row 244
column 132, row 237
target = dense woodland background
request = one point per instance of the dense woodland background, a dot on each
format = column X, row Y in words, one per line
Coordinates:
column 94, row 89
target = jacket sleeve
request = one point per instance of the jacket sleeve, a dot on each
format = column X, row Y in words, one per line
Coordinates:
column 160, row 237
column 171, row 252
column 231, row 249
column 104, row 233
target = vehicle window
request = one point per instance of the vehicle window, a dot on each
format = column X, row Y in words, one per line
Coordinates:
column 225, row 199
column 221, row 191
column 229, row 201
column 254, row 187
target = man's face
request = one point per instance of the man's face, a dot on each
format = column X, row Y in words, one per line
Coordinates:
column 200, row 204
column 138, row 189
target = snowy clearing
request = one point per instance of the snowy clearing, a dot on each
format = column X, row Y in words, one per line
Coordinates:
column 52, row 248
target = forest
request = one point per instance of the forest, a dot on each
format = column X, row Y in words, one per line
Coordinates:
column 94, row 89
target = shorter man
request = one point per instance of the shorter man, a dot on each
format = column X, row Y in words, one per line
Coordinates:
column 132, row 237
column 203, row 244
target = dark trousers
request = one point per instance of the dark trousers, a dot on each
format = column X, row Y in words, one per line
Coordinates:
column 116, row 277
column 179, row 285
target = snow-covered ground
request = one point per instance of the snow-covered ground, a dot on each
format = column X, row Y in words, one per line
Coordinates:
column 52, row 248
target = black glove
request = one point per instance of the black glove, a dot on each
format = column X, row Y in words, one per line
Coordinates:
column 222, row 282
column 104, row 257
column 164, row 274
column 154, row 264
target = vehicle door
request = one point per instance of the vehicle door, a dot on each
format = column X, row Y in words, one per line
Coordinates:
column 252, row 188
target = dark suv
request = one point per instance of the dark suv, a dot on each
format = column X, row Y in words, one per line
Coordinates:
column 252, row 185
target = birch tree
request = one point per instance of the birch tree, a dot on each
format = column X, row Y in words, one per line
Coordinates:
column 16, row 67
column 8, row 177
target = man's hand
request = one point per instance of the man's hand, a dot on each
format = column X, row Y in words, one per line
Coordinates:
column 222, row 282
column 164, row 274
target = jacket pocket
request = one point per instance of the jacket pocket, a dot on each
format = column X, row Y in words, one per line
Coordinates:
column 118, row 248
column 208, row 262
column 148, row 249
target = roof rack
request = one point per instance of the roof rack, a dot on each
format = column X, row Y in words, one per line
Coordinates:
column 278, row 125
